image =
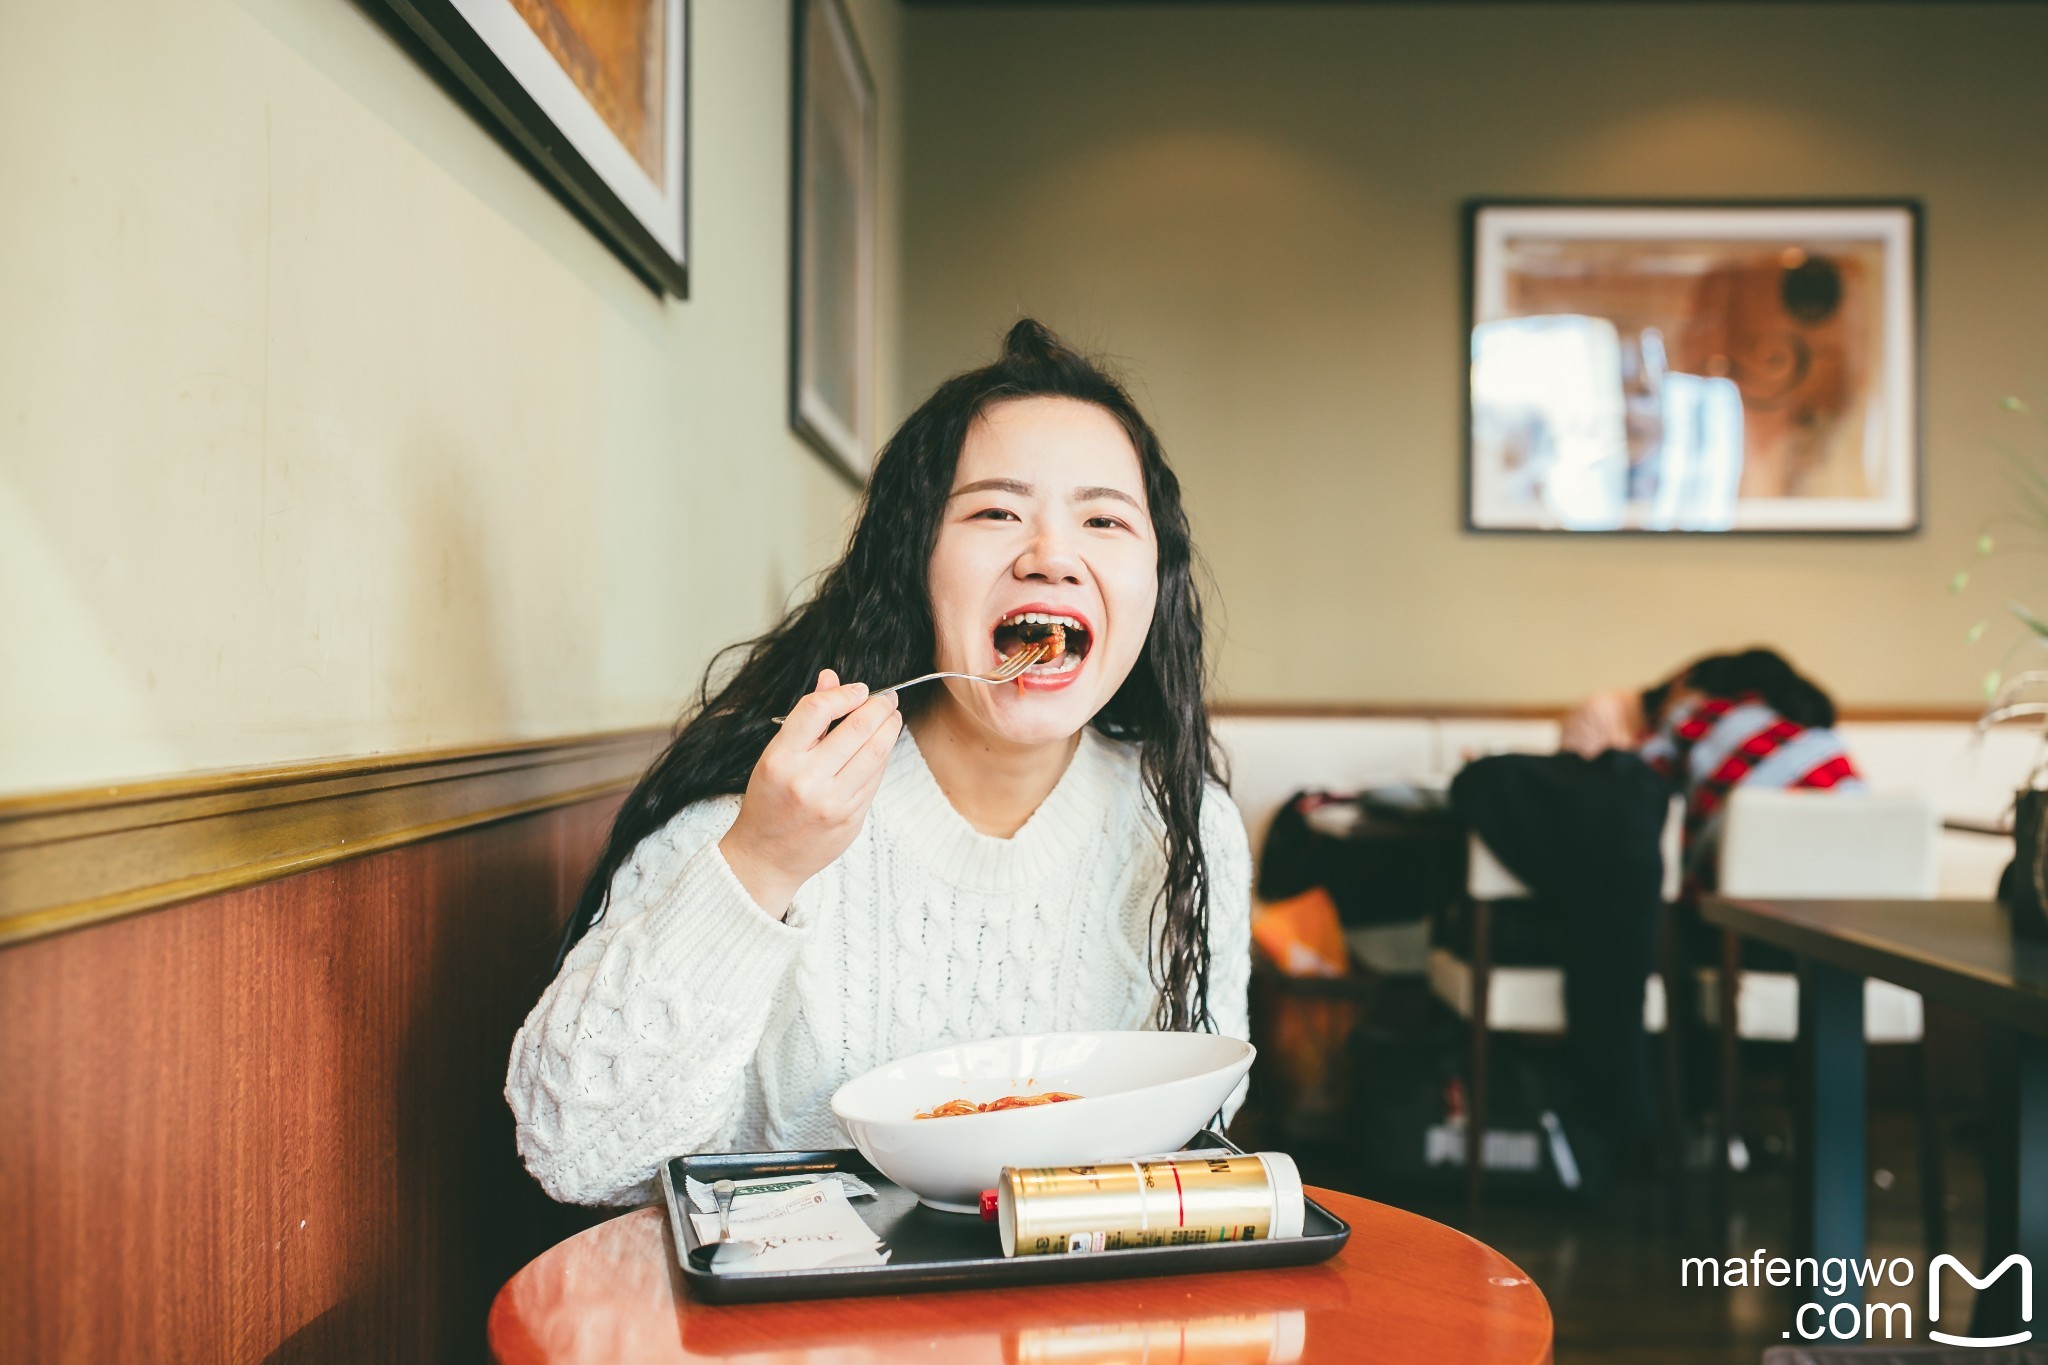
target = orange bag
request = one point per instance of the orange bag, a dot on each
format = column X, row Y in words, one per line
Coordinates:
column 1302, row 935
column 1303, row 1030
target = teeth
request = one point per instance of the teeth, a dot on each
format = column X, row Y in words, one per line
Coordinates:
column 1039, row 618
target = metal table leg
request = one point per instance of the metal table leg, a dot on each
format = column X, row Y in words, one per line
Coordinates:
column 2016, row 1185
column 1834, row 1118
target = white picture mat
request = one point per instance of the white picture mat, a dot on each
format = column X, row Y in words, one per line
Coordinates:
column 1493, row 507
column 658, row 207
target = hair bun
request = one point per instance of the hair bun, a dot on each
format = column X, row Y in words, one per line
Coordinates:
column 1031, row 340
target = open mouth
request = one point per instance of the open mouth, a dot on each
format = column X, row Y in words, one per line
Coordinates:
column 1069, row 639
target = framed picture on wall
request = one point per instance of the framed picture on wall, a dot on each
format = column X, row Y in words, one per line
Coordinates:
column 1692, row 367
column 832, row 252
column 593, row 96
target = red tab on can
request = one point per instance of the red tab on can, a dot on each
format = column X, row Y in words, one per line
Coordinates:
column 988, row 1206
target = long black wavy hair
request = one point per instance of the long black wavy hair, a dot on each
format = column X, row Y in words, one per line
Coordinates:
column 1754, row 672
column 884, row 577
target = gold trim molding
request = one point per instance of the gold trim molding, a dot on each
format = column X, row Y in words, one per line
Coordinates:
column 72, row 859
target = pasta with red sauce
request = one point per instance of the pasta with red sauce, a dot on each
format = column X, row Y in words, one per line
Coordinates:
column 953, row 1109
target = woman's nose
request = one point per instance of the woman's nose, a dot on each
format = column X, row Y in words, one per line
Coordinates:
column 1049, row 559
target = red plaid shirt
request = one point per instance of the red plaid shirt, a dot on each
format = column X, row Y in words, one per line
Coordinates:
column 1709, row 746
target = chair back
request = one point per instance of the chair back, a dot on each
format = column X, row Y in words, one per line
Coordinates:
column 1826, row 844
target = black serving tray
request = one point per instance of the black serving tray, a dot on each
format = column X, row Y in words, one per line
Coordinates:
column 933, row 1250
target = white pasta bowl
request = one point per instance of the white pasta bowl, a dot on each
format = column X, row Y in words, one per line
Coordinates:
column 1141, row 1093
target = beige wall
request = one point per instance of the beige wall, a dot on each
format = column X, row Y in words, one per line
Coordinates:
column 1258, row 209
column 325, row 429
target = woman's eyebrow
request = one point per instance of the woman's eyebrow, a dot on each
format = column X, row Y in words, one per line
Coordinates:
column 1091, row 494
column 1017, row 486
column 1087, row 493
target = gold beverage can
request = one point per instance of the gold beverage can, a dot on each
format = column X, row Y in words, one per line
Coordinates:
column 1182, row 1200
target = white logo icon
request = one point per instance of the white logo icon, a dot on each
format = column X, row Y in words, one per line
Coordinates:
column 2026, row 1298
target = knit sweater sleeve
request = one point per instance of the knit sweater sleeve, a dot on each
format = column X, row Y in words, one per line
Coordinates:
column 1228, row 852
column 641, row 1047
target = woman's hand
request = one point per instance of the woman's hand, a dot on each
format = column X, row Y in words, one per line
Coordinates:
column 1603, row 721
column 811, row 790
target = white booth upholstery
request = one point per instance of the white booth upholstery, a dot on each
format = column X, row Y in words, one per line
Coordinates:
column 1965, row 775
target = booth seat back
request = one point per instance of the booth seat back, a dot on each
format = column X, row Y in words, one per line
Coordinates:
column 1273, row 757
column 1968, row 775
column 1965, row 775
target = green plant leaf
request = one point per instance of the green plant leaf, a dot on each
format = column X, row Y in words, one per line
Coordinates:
column 1960, row 581
column 1984, row 544
column 1991, row 682
column 2014, row 404
column 1975, row 633
column 2028, row 619
column 2031, row 479
column 2033, row 492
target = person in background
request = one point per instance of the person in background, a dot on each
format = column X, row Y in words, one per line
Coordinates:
column 1720, row 722
column 1582, row 829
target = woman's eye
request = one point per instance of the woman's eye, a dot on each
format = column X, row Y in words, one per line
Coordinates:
column 1106, row 523
column 994, row 514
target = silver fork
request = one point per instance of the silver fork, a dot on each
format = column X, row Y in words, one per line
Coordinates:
column 1008, row 671
column 722, row 1191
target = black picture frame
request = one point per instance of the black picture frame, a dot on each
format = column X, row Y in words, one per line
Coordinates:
column 445, row 41
column 1901, row 359
column 832, row 411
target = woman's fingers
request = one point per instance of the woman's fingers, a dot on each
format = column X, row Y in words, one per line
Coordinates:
column 824, row 764
column 837, row 749
column 863, row 796
column 811, row 789
column 810, row 718
column 863, row 772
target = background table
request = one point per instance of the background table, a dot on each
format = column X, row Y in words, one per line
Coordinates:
column 1403, row 1289
column 1963, row 954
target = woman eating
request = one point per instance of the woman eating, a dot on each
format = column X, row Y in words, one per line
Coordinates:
column 781, row 908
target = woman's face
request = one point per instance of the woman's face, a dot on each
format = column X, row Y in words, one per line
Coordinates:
column 1047, row 519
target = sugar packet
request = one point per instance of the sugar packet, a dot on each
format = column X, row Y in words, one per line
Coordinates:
column 806, row 1225
column 705, row 1201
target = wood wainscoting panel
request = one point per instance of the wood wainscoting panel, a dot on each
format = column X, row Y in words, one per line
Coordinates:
column 269, row 1124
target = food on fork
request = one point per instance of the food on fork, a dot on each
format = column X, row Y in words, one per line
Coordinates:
column 1064, row 638
column 953, row 1109
column 1052, row 636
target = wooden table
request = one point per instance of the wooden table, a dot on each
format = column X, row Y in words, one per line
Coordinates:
column 1403, row 1289
column 1964, row 955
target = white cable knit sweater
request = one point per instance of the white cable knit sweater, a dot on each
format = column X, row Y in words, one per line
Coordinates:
column 690, row 1020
